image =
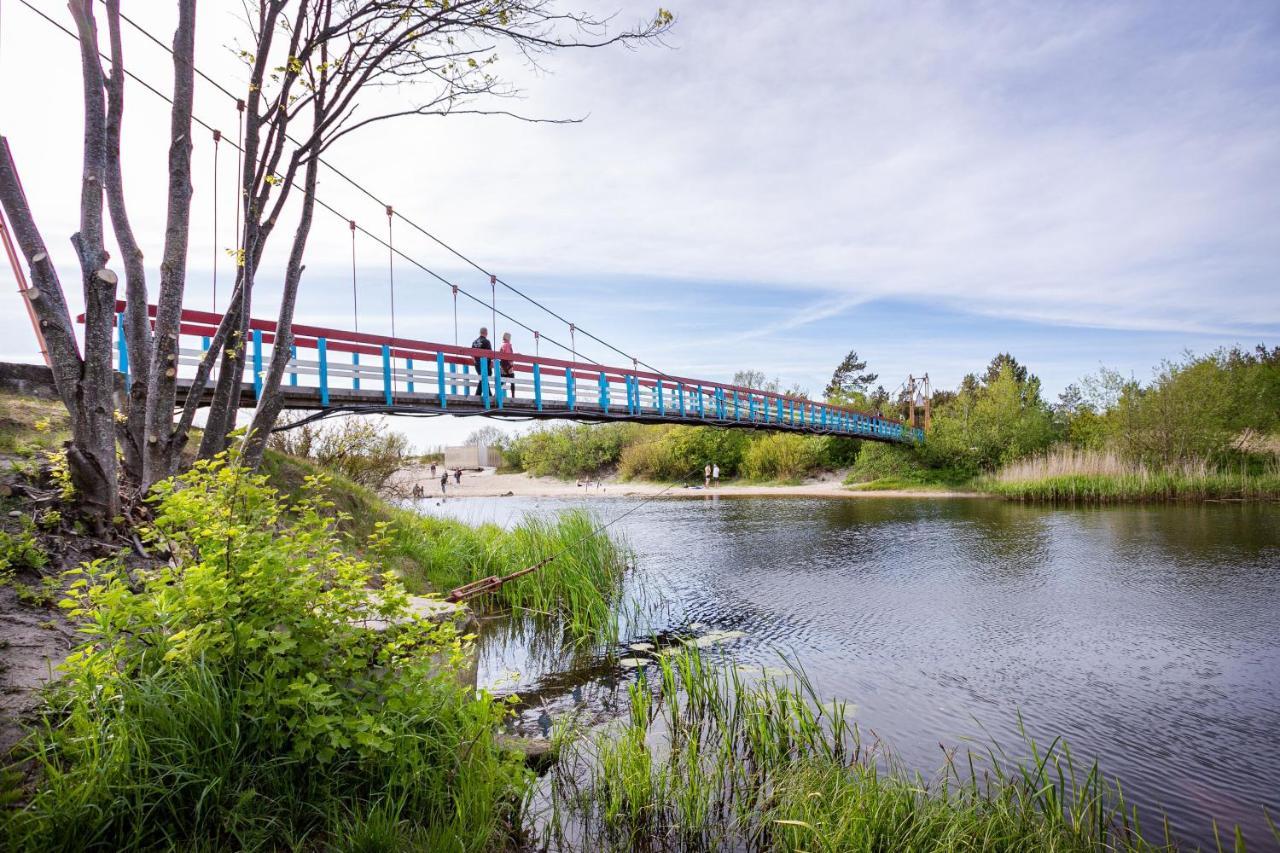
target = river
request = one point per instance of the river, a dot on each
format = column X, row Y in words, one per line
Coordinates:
column 1147, row 637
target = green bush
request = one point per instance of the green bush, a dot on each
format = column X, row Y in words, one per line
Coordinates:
column 235, row 697
column 677, row 453
column 364, row 451
column 20, row 550
column 782, row 456
column 570, row 450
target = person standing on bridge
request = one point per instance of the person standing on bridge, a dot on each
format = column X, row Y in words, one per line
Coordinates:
column 481, row 342
column 508, row 367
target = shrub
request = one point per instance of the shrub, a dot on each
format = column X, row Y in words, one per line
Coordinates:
column 235, row 698
column 782, row 456
column 570, row 450
column 20, row 550
column 364, row 451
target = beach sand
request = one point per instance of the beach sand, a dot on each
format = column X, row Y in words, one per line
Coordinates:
column 488, row 483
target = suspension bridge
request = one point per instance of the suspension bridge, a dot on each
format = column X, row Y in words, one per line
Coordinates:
column 332, row 371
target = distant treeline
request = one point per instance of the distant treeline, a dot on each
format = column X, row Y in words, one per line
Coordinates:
column 1204, row 416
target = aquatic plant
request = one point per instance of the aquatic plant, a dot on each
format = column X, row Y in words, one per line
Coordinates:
column 1067, row 474
column 709, row 760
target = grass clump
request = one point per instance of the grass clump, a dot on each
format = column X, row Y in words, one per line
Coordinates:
column 881, row 467
column 29, row 425
column 708, row 760
column 577, row 589
column 1071, row 475
column 236, row 697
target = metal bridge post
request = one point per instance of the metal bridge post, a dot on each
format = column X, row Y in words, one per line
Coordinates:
column 680, row 391
column 257, row 364
column 293, row 358
column 537, row 386
column 604, row 392
column 453, row 371
column 569, row 386
column 497, row 382
column 355, row 362
column 662, row 408
column 483, row 375
column 408, row 366
column 323, row 346
column 444, row 401
column 702, row 413
column 386, row 375
column 122, row 350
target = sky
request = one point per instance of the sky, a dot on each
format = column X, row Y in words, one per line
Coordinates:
column 929, row 183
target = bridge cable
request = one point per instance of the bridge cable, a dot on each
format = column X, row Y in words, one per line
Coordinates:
column 355, row 299
column 371, row 195
column 217, row 139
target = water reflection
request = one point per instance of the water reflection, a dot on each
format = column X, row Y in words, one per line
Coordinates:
column 1145, row 635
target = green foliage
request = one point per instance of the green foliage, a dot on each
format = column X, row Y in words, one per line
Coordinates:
column 680, row 453
column 899, row 466
column 578, row 588
column 570, row 450
column 782, row 456
column 20, row 549
column 236, row 698
column 711, row 758
column 363, row 450
column 1000, row 419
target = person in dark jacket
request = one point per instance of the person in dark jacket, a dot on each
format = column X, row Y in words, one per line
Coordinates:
column 481, row 342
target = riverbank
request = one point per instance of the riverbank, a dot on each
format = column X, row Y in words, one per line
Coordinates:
column 490, row 484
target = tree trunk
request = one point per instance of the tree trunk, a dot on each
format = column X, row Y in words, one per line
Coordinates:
column 92, row 454
column 163, row 379
column 137, row 328
column 264, row 417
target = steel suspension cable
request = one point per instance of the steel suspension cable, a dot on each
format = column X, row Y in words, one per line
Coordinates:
column 355, row 300
column 391, row 271
column 217, row 139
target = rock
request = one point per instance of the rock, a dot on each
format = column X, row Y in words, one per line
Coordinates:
column 539, row 753
column 632, row 663
column 641, row 647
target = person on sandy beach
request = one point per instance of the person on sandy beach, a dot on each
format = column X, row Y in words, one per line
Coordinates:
column 706, row 476
column 444, row 483
column 457, row 476
column 715, row 474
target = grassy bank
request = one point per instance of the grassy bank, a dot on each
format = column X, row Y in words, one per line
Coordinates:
column 577, row 588
column 709, row 761
column 1067, row 475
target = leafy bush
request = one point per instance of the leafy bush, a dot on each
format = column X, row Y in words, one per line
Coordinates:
column 782, row 456
column 237, row 698
column 682, row 453
column 362, row 450
column 20, row 550
column 570, row 450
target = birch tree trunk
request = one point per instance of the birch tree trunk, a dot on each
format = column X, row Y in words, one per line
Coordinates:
column 163, row 379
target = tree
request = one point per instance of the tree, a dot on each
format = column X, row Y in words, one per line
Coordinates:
column 756, row 381
column 849, row 381
column 998, row 364
column 487, row 436
column 310, row 61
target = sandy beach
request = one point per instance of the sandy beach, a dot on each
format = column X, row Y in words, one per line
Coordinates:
column 487, row 483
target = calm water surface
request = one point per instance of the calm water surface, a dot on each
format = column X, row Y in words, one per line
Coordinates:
column 1147, row 637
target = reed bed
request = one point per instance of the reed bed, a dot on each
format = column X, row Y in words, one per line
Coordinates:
column 708, row 760
column 1072, row 475
column 578, row 589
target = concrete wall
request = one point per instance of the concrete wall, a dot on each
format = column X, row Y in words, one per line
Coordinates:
column 472, row 456
column 30, row 380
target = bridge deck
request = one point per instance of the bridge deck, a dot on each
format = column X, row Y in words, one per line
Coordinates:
column 330, row 369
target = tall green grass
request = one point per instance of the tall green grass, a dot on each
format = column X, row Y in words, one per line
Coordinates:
column 707, row 760
column 576, row 591
column 1070, row 475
